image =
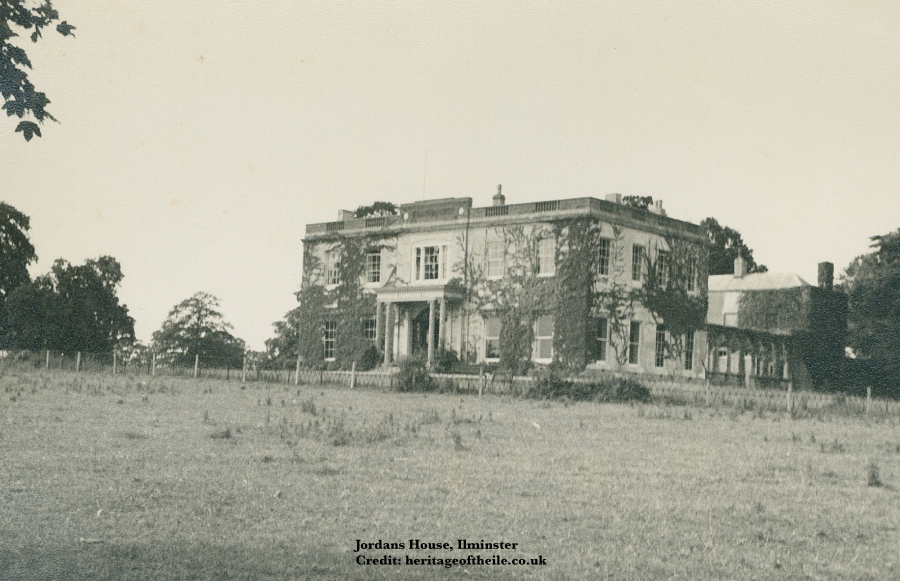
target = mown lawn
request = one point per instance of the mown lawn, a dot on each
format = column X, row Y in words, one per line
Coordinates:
column 158, row 478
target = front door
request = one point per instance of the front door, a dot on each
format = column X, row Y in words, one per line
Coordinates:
column 419, row 333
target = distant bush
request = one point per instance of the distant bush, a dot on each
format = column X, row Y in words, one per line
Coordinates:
column 445, row 361
column 549, row 385
column 369, row 359
column 413, row 375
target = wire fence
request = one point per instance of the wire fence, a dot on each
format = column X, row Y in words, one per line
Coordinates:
column 692, row 391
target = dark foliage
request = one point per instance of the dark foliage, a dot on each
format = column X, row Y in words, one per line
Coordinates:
column 549, row 385
column 16, row 253
column 725, row 244
column 377, row 209
column 196, row 327
column 413, row 375
column 19, row 95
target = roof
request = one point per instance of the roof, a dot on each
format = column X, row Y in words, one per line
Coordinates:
column 755, row 281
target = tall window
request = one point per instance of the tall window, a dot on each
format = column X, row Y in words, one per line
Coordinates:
column 547, row 256
column 603, row 252
column 660, row 346
column 373, row 266
column 601, row 339
column 333, row 268
column 329, row 339
column 662, row 268
column 369, row 328
column 689, row 351
column 634, row 343
column 690, row 275
column 430, row 263
column 495, row 251
column 637, row 261
column 543, row 338
column 492, row 338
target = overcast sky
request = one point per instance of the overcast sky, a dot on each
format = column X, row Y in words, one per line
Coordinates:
column 197, row 139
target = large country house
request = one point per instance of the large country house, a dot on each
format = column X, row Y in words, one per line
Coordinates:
column 584, row 282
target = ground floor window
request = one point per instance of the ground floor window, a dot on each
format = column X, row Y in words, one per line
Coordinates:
column 660, row 346
column 492, row 338
column 689, row 351
column 369, row 328
column 543, row 339
column 600, row 333
column 634, row 343
column 329, row 339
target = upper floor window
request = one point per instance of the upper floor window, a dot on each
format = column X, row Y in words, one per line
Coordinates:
column 495, row 251
column 637, row 262
column 547, row 256
column 662, row 268
column 333, row 268
column 603, row 254
column 430, row 263
column 691, row 275
column 373, row 266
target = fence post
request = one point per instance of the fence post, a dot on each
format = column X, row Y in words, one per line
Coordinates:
column 48, row 359
column 707, row 392
column 153, row 364
column 114, row 363
column 196, row 365
column 244, row 370
column 790, row 402
column 297, row 371
column 353, row 375
column 78, row 362
column 868, row 399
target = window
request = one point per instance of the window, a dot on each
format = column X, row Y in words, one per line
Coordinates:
column 492, row 339
column 634, row 343
column 333, row 268
column 543, row 338
column 369, row 328
column 637, row 261
column 547, row 256
column 690, row 275
column 373, row 266
column 601, row 339
column 495, row 251
column 660, row 346
column 430, row 263
column 603, row 252
column 328, row 340
column 662, row 268
column 689, row 351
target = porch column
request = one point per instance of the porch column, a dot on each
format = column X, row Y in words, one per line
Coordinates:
column 442, row 328
column 748, row 369
column 430, row 332
column 388, row 332
column 379, row 328
column 784, row 353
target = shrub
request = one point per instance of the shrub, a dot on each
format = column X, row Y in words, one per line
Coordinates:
column 550, row 385
column 369, row 359
column 445, row 360
column 413, row 375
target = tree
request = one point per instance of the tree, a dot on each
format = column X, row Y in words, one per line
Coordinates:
column 282, row 349
column 72, row 308
column 377, row 209
column 724, row 246
column 872, row 283
column 16, row 253
column 196, row 327
column 19, row 95
column 640, row 202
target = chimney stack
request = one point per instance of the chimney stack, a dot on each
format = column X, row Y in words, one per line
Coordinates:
column 344, row 215
column 826, row 275
column 740, row 267
column 499, row 199
column 614, row 198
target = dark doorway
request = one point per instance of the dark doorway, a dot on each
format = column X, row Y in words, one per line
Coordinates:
column 419, row 335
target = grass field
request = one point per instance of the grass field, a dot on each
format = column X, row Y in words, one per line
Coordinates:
column 138, row 478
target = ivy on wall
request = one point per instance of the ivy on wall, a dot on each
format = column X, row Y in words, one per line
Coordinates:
column 348, row 304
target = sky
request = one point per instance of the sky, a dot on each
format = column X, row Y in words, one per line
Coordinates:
column 197, row 139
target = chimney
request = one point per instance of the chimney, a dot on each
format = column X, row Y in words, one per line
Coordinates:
column 499, row 199
column 826, row 275
column 657, row 208
column 614, row 198
column 740, row 267
column 344, row 215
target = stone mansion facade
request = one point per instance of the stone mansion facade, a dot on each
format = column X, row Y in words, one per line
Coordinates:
column 530, row 283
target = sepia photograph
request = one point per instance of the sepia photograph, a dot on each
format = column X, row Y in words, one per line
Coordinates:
column 341, row 290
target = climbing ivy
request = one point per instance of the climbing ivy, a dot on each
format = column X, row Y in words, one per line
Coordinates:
column 348, row 304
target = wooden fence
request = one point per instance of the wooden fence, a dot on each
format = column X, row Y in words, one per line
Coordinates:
column 683, row 390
